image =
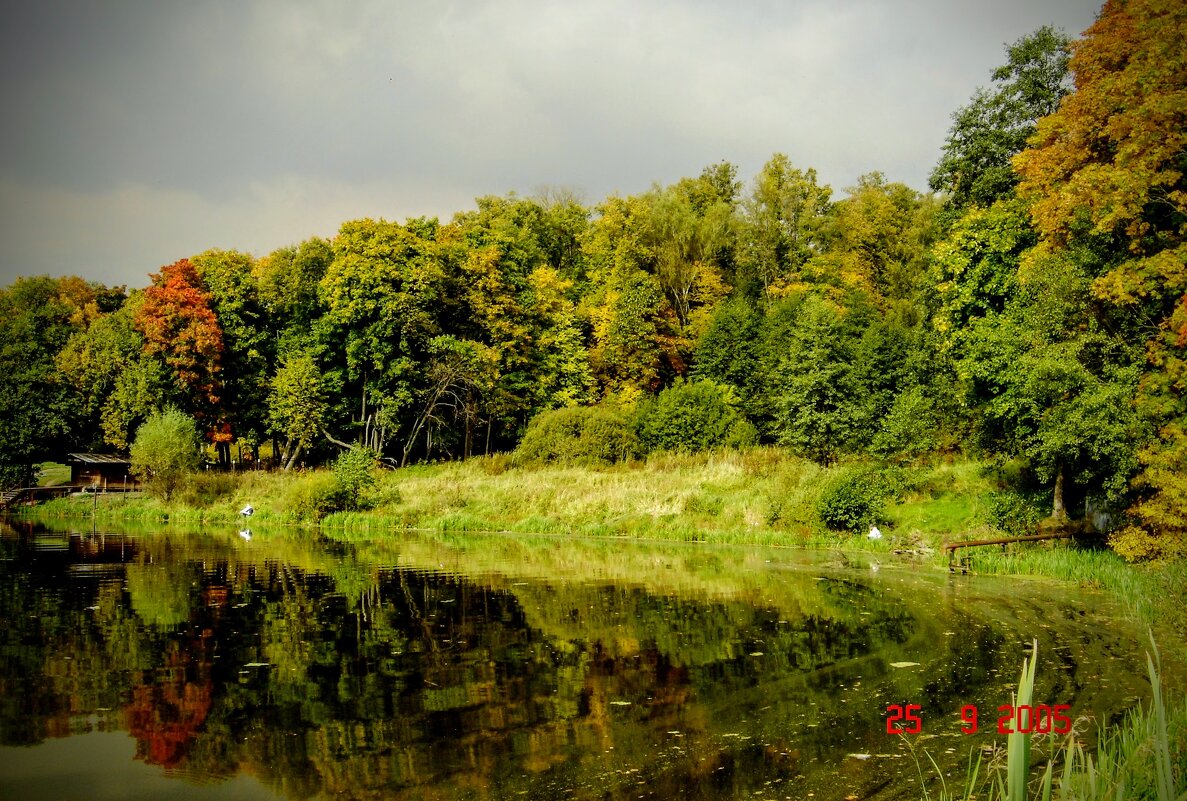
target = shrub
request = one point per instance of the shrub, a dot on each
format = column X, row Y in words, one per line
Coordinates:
column 579, row 435
column 202, row 490
column 1018, row 513
column 695, row 416
column 165, row 450
column 853, row 499
column 354, row 472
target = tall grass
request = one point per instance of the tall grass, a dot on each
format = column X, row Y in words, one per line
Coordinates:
column 1144, row 758
column 1150, row 592
column 760, row 496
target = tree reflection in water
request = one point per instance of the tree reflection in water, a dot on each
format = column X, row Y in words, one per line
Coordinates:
column 358, row 672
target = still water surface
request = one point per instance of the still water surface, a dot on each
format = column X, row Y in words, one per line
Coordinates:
column 202, row 665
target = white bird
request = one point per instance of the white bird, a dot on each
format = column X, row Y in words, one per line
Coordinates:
column 246, row 534
column 874, row 534
column 247, row 511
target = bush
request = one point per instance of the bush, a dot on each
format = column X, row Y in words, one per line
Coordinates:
column 1018, row 513
column 854, row 499
column 348, row 486
column 579, row 435
column 165, row 450
column 354, row 471
column 693, row 417
column 312, row 497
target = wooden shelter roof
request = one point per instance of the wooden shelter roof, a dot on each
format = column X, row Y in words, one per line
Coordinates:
column 97, row 458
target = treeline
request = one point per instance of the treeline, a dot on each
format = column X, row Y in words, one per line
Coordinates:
column 1033, row 307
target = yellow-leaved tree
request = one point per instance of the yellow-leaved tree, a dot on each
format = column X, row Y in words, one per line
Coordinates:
column 1105, row 175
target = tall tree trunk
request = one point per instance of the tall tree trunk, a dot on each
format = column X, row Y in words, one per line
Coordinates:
column 296, row 453
column 1058, row 511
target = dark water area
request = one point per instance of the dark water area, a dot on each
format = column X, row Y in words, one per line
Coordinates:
column 205, row 665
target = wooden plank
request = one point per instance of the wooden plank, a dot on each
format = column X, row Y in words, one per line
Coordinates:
column 952, row 546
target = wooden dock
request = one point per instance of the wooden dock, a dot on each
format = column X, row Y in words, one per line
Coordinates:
column 14, row 497
column 951, row 547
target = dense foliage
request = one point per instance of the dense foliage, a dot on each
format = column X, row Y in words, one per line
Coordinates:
column 579, row 436
column 1034, row 309
column 166, row 448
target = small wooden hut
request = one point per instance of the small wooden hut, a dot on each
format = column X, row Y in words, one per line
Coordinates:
column 101, row 470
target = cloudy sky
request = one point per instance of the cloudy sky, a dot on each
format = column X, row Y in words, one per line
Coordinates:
column 137, row 133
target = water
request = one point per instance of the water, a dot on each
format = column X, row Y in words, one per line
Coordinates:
column 202, row 665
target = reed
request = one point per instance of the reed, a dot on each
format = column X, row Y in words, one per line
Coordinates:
column 1142, row 758
column 1148, row 590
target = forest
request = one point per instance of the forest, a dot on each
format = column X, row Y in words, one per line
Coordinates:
column 1030, row 306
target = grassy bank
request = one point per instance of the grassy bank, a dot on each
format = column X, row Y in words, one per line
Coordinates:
column 761, row 496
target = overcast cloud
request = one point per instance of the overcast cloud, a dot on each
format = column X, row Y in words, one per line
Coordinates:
column 137, row 133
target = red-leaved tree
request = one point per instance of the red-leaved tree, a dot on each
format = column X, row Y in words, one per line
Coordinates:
column 180, row 327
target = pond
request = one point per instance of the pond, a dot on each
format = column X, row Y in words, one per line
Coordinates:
column 218, row 664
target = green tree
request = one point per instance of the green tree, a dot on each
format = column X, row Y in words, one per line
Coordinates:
column 975, row 267
column 296, row 405
column 458, row 374
column 819, row 408
column 513, row 299
column 632, row 341
column 119, row 384
column 689, row 417
column 728, row 352
column 1106, row 174
column 688, row 245
column 975, row 168
column 1052, row 383
column 875, row 242
column 383, row 295
column 782, row 222
column 910, row 428
column 166, row 449
column 287, row 282
column 44, row 416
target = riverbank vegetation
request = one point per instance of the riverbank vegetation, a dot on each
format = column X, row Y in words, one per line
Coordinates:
column 761, row 494
column 1030, row 309
column 758, row 496
column 1144, row 756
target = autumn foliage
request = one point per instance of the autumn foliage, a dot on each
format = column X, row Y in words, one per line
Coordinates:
column 1106, row 173
column 177, row 323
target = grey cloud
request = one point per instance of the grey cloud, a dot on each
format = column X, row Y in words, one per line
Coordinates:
column 418, row 104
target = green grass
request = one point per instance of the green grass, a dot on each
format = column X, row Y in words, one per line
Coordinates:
column 52, row 474
column 948, row 499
